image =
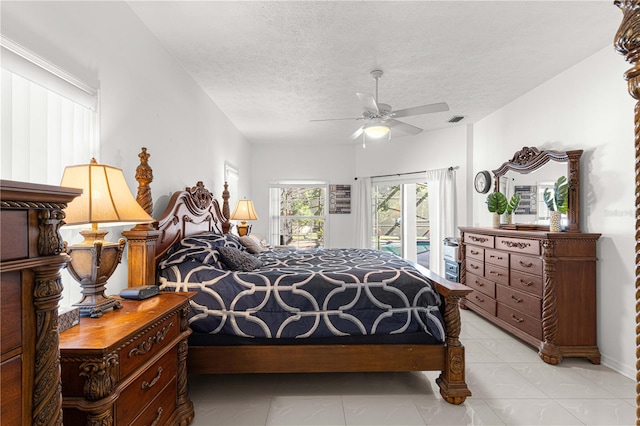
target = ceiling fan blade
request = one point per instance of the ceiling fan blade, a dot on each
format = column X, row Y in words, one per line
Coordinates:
column 368, row 102
column 338, row 119
column 423, row 109
column 357, row 133
column 404, row 127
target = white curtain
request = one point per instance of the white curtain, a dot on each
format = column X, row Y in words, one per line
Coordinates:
column 48, row 120
column 441, row 186
column 362, row 212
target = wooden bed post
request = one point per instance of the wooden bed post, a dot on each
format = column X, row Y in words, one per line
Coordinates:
column 142, row 237
column 226, row 226
column 627, row 43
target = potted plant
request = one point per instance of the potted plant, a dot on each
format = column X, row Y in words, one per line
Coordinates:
column 497, row 204
column 557, row 202
column 512, row 205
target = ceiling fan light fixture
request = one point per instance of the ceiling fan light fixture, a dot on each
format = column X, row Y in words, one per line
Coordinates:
column 376, row 131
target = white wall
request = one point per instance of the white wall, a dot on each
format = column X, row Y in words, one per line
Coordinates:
column 334, row 164
column 586, row 107
column 147, row 99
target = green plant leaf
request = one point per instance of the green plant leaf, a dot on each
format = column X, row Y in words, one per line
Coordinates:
column 497, row 202
column 548, row 199
column 514, row 202
column 561, row 194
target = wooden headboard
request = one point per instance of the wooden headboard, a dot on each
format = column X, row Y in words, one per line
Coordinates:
column 191, row 211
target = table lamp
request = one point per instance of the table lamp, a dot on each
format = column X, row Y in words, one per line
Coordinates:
column 244, row 211
column 106, row 199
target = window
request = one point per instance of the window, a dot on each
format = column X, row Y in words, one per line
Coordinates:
column 400, row 219
column 49, row 119
column 298, row 214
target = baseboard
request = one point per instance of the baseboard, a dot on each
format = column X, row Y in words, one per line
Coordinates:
column 615, row 365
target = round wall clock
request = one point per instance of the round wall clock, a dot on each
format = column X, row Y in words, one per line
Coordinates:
column 482, row 182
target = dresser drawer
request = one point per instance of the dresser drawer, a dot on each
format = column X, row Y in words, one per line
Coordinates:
column 159, row 410
column 482, row 301
column 475, row 267
column 518, row 245
column 526, row 282
column 529, row 325
column 11, row 308
column 496, row 257
column 479, row 240
column 475, row 252
column 14, row 227
column 144, row 346
column 143, row 389
column 11, row 379
column 482, row 285
column 522, row 302
column 528, row 264
column 496, row 273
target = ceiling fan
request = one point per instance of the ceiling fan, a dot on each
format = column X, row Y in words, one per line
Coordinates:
column 381, row 118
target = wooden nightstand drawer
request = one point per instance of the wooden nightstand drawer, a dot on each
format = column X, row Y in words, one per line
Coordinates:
column 143, row 347
column 145, row 388
column 160, row 409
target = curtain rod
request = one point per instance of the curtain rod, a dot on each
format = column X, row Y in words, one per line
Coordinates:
column 411, row 173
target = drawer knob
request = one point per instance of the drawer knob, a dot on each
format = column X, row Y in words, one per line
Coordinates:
column 474, row 266
column 516, row 318
column 526, row 283
column 152, row 383
column 479, row 299
column 157, row 420
column 526, row 265
column 479, row 283
column 516, row 299
column 475, row 252
column 495, row 273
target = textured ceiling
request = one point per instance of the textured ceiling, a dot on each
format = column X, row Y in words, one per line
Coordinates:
column 273, row 66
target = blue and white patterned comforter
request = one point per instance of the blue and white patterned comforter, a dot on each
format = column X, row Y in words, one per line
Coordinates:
column 303, row 293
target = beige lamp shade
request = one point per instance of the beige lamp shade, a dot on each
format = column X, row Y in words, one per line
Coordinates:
column 376, row 131
column 106, row 198
column 244, row 211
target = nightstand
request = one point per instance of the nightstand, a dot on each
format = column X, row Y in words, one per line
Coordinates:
column 129, row 366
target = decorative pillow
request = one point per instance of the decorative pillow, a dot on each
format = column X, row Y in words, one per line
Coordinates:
column 238, row 260
column 212, row 240
column 250, row 244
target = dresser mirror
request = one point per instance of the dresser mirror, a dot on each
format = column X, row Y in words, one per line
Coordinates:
column 529, row 173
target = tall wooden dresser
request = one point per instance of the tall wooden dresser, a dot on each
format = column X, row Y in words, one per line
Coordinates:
column 30, row 288
column 539, row 286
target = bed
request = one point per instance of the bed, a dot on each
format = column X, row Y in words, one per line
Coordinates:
column 342, row 343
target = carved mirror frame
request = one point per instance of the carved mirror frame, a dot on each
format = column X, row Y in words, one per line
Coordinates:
column 530, row 159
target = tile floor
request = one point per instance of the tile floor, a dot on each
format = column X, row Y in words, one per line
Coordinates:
column 510, row 386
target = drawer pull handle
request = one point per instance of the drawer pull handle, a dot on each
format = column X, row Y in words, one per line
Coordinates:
column 495, row 273
column 475, row 252
column 496, row 257
column 516, row 318
column 512, row 244
column 526, row 283
column 152, row 383
column 474, row 266
column 516, row 299
column 146, row 345
column 478, row 239
column 479, row 299
column 157, row 420
column 479, row 283
column 526, row 265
